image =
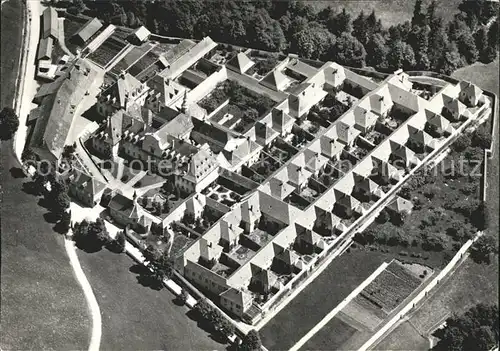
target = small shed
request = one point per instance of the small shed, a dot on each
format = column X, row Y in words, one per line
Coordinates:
column 139, row 36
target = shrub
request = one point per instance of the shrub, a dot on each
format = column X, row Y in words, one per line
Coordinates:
column 403, row 253
column 462, row 143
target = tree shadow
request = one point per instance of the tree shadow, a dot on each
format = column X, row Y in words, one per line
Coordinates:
column 145, row 278
column 89, row 246
column 30, row 188
column 17, row 172
column 51, row 217
column 58, row 228
column 206, row 327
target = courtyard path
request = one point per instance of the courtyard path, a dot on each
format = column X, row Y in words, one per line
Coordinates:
column 95, row 339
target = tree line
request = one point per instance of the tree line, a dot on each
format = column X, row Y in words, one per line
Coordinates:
column 424, row 43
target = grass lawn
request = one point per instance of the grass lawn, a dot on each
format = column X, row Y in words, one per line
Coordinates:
column 43, row 306
column 470, row 284
column 486, row 77
column 12, row 15
column 136, row 316
column 404, row 337
column 389, row 11
column 310, row 306
column 326, row 340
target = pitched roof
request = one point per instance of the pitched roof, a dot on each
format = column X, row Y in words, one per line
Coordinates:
column 275, row 79
column 50, row 23
column 241, row 63
column 177, row 127
column 288, row 256
column 45, row 48
column 65, row 97
column 398, row 204
column 438, row 121
column 237, row 296
column 125, row 86
column 83, row 181
column 194, row 54
column 281, row 119
column 89, row 29
column 121, row 203
column 202, row 163
column 264, row 132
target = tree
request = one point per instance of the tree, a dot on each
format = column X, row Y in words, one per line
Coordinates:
column 481, row 138
column 251, row 341
column 8, row 123
column 183, row 296
column 313, row 41
column 383, row 216
column 65, row 222
column 462, row 143
column 493, row 34
column 60, row 202
column 360, row 28
column 483, row 248
column 377, row 51
column 467, row 46
column 419, row 17
column 349, row 51
column 166, row 206
column 160, row 264
column 438, row 40
column 98, row 232
column 158, row 207
column 121, row 240
column 77, row 7
column 400, row 55
column 483, row 45
column 450, row 60
column 480, row 217
column 28, row 155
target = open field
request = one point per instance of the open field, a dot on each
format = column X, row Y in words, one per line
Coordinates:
column 470, row 284
column 11, row 39
column 134, row 315
column 389, row 11
column 405, row 337
column 337, row 281
column 43, row 307
column 325, row 340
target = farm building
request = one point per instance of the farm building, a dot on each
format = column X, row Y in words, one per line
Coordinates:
column 139, row 36
column 88, row 30
column 45, row 48
column 50, row 23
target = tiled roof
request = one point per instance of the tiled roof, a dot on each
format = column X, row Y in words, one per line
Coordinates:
column 398, row 204
column 89, row 29
column 241, row 63
column 50, row 23
column 45, row 48
column 275, row 79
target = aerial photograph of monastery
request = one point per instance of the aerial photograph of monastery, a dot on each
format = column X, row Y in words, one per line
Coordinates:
column 249, row 175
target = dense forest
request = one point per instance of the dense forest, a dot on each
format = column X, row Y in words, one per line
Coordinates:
column 425, row 43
